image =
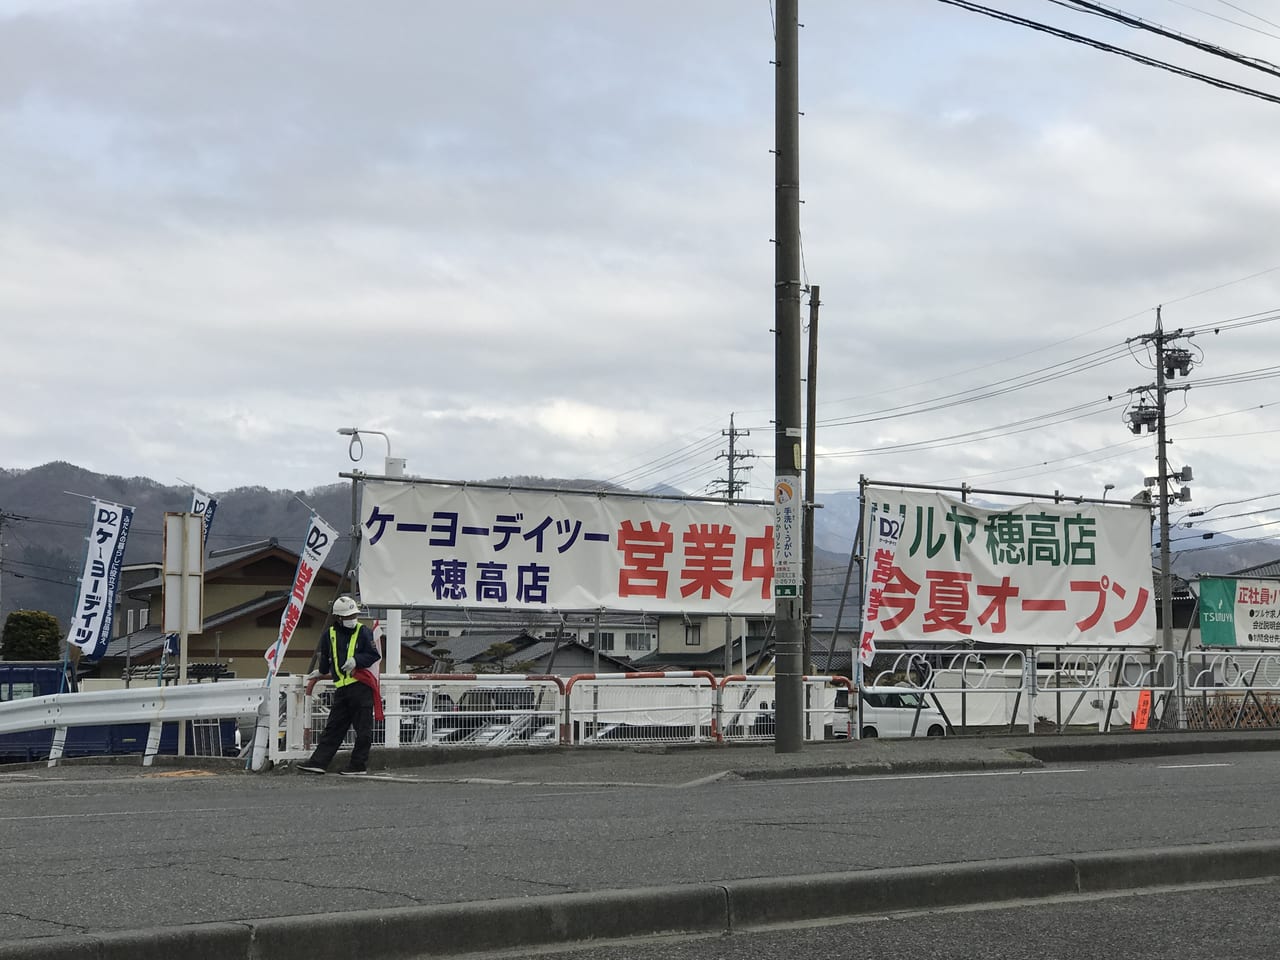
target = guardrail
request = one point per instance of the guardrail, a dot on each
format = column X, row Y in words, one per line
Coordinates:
column 977, row 688
column 154, row 706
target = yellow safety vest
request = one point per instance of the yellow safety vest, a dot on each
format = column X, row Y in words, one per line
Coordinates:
column 339, row 678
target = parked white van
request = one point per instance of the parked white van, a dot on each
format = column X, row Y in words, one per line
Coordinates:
column 897, row 712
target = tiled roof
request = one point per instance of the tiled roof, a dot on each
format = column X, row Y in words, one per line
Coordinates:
column 140, row 643
column 1269, row 569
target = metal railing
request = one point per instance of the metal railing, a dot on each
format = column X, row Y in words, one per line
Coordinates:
column 970, row 689
column 154, row 706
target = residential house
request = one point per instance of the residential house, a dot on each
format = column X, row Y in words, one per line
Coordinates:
column 245, row 590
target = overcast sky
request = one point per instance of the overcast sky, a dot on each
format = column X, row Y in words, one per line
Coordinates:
column 531, row 237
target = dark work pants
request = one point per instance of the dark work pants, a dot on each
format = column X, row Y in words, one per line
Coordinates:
column 352, row 707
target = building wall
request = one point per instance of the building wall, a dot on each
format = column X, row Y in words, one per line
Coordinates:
column 675, row 634
column 242, row 643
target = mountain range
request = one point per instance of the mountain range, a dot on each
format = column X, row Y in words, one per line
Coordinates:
column 45, row 514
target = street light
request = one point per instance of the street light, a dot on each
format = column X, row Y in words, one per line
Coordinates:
column 1109, row 486
column 391, row 467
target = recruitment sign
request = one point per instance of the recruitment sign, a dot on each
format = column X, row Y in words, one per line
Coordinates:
column 1036, row 573
column 1239, row 613
column 445, row 545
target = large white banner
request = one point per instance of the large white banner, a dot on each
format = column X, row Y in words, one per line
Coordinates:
column 1035, row 573
column 320, row 540
column 444, row 545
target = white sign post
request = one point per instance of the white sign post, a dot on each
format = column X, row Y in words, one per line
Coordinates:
column 183, row 588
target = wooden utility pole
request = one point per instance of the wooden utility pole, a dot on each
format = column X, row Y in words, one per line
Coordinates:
column 810, row 495
column 788, row 288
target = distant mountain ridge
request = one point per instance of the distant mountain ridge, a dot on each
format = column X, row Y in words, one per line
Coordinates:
column 42, row 530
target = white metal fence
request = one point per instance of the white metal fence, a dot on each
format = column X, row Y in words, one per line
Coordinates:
column 973, row 690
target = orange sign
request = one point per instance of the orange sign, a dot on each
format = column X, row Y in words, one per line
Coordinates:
column 1143, row 715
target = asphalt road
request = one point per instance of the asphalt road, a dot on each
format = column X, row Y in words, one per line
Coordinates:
column 90, row 849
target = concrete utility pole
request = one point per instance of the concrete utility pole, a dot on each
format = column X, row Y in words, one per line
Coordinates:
column 1169, row 361
column 810, row 494
column 788, row 673
column 1162, row 480
column 733, row 485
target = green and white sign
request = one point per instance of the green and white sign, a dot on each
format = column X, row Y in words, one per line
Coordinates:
column 1239, row 613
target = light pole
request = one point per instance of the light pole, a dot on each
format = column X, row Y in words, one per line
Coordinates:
column 391, row 467
column 1109, row 486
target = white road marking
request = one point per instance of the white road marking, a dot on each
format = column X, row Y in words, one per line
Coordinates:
column 783, row 781
column 1190, row 766
column 95, row 814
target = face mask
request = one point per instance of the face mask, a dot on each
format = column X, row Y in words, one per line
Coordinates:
column 350, row 622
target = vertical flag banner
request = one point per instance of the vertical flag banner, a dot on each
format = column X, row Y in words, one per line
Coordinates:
column 883, row 533
column 320, row 540
column 203, row 506
column 96, row 603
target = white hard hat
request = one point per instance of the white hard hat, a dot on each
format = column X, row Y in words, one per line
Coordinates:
column 345, row 607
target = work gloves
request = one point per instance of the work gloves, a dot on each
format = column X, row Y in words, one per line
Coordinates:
column 350, row 666
column 313, row 675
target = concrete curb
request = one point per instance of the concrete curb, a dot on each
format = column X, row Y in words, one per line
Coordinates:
column 1011, row 760
column 1132, row 747
column 453, row 929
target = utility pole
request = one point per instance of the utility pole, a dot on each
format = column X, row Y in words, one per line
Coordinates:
column 810, row 494
column 733, row 486
column 1169, row 361
column 787, row 530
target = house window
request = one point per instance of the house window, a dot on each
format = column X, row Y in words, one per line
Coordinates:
column 606, row 639
column 637, row 641
column 144, row 617
column 693, row 634
column 129, row 621
column 435, row 632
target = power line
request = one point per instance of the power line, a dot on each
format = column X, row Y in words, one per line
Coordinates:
column 1234, row 23
column 1119, row 16
column 1111, row 48
column 999, row 388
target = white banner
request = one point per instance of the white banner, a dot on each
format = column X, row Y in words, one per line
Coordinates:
column 443, row 545
column 1035, row 573
column 96, row 603
column 883, row 534
column 320, row 540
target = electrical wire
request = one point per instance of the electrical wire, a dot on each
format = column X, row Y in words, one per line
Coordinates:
column 1111, row 48
column 1234, row 23
column 1035, row 378
column 1128, row 20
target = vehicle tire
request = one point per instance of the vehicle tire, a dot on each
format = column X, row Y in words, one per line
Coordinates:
column 936, row 731
column 869, row 733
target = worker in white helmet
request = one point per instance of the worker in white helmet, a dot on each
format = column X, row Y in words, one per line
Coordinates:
column 347, row 651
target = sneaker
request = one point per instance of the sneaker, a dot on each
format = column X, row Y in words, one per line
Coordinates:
column 310, row 768
column 353, row 773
